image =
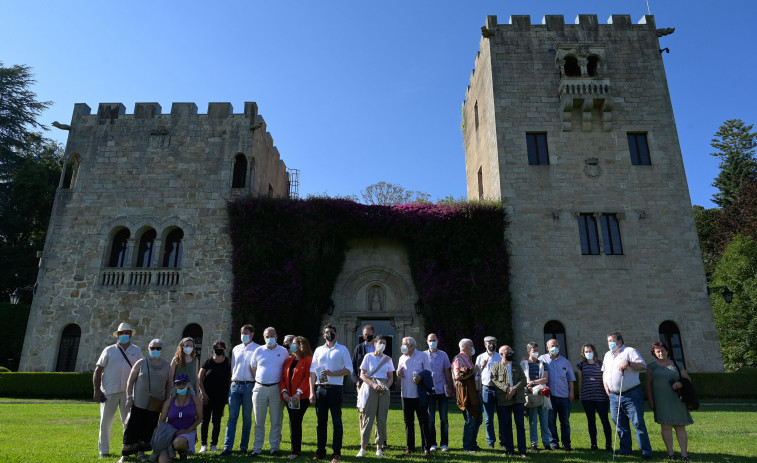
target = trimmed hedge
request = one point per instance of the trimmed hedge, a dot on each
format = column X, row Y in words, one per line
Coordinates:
column 740, row 384
column 46, row 385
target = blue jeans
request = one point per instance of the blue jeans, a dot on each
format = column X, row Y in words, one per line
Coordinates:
column 631, row 409
column 442, row 402
column 561, row 408
column 329, row 400
column 489, row 401
column 470, row 430
column 601, row 408
column 239, row 395
column 508, row 412
column 540, row 414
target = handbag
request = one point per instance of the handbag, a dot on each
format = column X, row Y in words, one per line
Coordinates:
column 686, row 393
column 365, row 390
column 533, row 399
column 155, row 404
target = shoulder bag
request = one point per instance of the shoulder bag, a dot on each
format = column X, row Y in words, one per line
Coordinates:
column 155, row 404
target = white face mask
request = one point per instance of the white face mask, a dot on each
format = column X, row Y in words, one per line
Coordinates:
column 554, row 350
column 380, row 348
column 404, row 349
column 535, row 354
column 188, row 350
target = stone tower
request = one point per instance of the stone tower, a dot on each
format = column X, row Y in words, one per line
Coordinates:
column 138, row 229
column 572, row 127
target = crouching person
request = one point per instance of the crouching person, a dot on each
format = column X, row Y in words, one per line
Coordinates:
column 183, row 412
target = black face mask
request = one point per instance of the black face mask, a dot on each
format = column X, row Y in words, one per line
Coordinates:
column 219, row 351
column 490, row 347
column 287, row 346
column 368, row 337
column 330, row 336
column 509, row 356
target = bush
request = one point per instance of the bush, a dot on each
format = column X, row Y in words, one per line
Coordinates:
column 739, row 384
column 46, row 385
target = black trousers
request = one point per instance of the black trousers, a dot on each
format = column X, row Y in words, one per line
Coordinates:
column 295, row 425
column 212, row 411
column 412, row 407
column 138, row 431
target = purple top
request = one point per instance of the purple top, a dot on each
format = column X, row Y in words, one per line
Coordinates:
column 181, row 417
column 439, row 363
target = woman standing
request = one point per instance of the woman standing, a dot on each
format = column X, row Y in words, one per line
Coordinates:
column 593, row 395
column 377, row 374
column 536, row 375
column 214, row 383
column 185, row 362
column 669, row 412
column 183, row 412
column 146, row 389
column 295, row 383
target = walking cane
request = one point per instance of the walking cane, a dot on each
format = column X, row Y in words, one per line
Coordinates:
column 617, row 414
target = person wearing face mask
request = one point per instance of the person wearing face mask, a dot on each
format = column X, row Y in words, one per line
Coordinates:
column 464, row 373
column 295, row 389
column 593, row 396
column 185, row 362
column 409, row 369
column 441, row 373
column 331, row 363
column 183, row 412
column 486, row 362
column 510, row 381
column 267, row 364
column 620, row 369
column 240, row 394
column 288, row 339
column 109, row 380
column 147, row 388
column 561, row 382
column 361, row 350
column 377, row 375
column 214, row 383
column 538, row 411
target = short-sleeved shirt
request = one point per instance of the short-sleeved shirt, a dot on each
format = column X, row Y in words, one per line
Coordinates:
column 560, row 374
column 439, row 364
column 486, row 370
column 116, row 369
column 370, row 362
column 269, row 363
column 333, row 359
column 416, row 362
column 612, row 376
column 592, row 388
column 217, row 377
column 241, row 356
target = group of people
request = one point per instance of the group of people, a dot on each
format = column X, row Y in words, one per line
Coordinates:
column 163, row 402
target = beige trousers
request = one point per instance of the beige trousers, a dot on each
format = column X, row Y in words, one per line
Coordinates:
column 376, row 408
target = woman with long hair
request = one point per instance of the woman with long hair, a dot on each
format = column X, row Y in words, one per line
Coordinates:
column 185, row 362
column 295, row 383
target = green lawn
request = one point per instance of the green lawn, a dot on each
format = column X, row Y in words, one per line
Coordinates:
column 64, row 431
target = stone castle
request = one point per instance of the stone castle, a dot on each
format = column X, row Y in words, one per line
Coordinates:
column 570, row 125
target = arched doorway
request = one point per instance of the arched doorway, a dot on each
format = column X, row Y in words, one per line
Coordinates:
column 69, row 348
column 194, row 331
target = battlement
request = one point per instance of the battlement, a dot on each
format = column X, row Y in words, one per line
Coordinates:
column 557, row 22
column 113, row 111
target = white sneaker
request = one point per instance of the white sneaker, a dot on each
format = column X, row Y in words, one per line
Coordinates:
column 123, row 459
column 213, row 448
column 445, row 448
column 433, row 448
column 471, row 451
column 379, row 453
column 361, row 453
column 203, row 449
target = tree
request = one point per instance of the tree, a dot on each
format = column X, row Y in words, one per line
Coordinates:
column 707, row 228
column 737, row 322
column 389, row 194
column 19, row 110
column 735, row 143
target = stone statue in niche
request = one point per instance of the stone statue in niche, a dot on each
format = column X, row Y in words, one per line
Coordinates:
column 375, row 298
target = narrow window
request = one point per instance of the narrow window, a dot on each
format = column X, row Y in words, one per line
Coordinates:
column 475, row 114
column 592, row 66
column 611, row 235
column 587, row 231
column 480, row 183
column 69, row 348
column 637, row 144
column 146, row 249
column 555, row 330
column 71, row 172
column 240, row 171
column 537, row 149
column 173, row 249
column 119, row 251
column 572, row 69
column 270, row 191
column 671, row 335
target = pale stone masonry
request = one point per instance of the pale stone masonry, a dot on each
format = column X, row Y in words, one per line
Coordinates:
column 586, row 86
column 145, row 172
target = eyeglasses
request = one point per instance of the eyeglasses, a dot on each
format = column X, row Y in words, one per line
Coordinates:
column 156, row 348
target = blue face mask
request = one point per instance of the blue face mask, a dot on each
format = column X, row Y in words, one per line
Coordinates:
column 155, row 354
column 270, row 342
column 473, row 351
column 433, row 344
column 612, row 345
column 181, row 391
column 554, row 350
column 589, row 355
column 293, row 348
column 124, row 338
column 245, row 338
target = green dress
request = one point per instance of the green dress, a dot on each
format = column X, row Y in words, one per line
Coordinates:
column 668, row 408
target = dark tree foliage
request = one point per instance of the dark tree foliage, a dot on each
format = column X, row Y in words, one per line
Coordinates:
column 735, row 143
column 288, row 254
column 707, row 228
column 738, row 218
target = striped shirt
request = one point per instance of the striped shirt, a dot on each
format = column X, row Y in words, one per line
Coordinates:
column 592, row 388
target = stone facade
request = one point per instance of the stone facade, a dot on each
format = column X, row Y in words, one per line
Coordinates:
column 146, row 172
column 586, row 87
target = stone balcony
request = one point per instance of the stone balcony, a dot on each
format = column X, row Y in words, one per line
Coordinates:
column 580, row 98
column 140, row 278
column 582, row 87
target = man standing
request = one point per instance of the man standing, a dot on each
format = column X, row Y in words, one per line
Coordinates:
column 464, row 371
column 442, row 375
column 267, row 364
column 511, row 399
column 240, row 394
column 409, row 367
column 109, row 381
column 485, row 363
column 561, row 382
column 621, row 366
column 331, row 363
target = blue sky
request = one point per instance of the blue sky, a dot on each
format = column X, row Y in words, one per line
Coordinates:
column 356, row 92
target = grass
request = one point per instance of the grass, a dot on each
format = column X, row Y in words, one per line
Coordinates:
column 64, row 431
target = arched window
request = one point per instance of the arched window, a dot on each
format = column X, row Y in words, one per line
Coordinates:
column 194, row 331
column 572, row 69
column 554, row 330
column 240, row 171
column 592, row 66
column 173, row 248
column 671, row 335
column 145, row 256
column 69, row 348
column 71, row 172
column 119, row 251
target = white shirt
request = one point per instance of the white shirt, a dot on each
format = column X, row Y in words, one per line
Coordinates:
column 241, row 356
column 486, row 371
column 370, row 362
column 416, row 362
column 269, row 363
column 116, row 369
column 333, row 359
column 612, row 376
